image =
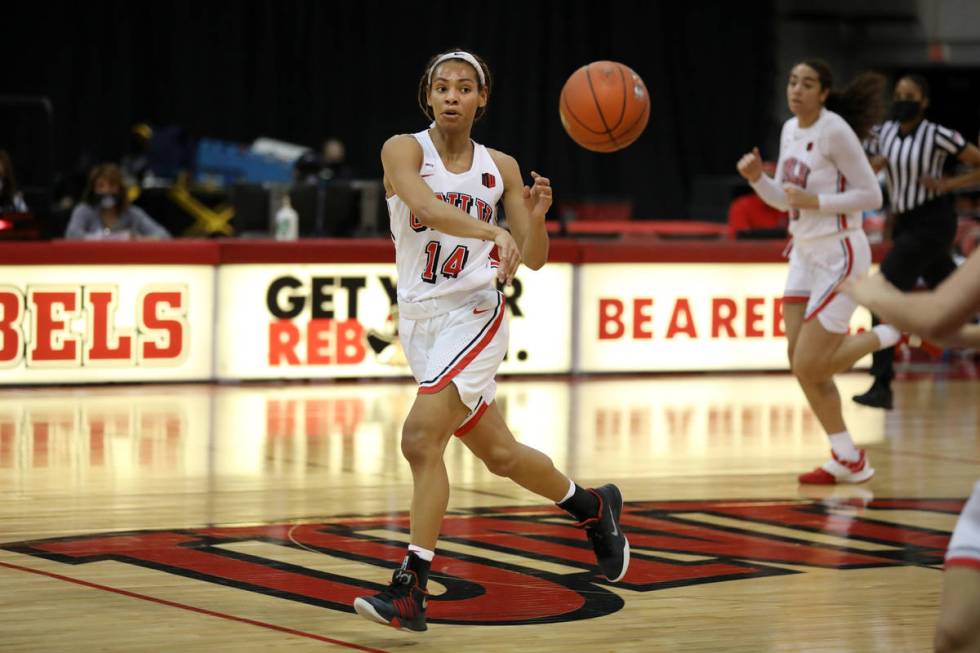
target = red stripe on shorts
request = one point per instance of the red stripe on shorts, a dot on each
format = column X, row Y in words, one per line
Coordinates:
column 469, row 424
column 444, row 380
column 833, row 293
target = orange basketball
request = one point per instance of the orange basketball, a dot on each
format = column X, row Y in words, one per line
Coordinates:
column 604, row 106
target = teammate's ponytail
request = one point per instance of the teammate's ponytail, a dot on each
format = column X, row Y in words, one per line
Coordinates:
column 861, row 103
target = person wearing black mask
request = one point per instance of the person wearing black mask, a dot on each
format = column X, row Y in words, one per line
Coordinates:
column 912, row 151
column 105, row 213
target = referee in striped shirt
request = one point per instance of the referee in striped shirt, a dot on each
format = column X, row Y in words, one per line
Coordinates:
column 912, row 152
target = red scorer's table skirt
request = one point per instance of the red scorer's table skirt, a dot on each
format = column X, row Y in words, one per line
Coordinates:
column 629, row 249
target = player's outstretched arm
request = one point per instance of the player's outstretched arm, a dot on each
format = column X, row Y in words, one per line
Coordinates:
column 939, row 315
column 967, row 337
column 401, row 157
column 526, row 207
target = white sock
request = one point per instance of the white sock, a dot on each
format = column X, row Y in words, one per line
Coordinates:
column 571, row 491
column 425, row 554
column 888, row 336
column 843, row 446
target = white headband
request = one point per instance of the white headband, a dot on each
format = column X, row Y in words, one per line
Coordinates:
column 465, row 56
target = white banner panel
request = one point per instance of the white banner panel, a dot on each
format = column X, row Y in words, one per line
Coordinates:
column 105, row 323
column 335, row 321
column 684, row 317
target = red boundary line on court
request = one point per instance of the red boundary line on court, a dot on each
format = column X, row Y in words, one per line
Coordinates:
column 191, row 608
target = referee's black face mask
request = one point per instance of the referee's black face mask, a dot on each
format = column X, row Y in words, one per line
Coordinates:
column 904, row 110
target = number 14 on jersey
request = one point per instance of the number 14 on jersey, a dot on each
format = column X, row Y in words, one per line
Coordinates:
column 451, row 268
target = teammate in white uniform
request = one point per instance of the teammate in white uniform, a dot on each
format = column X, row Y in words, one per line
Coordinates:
column 443, row 190
column 942, row 316
column 824, row 179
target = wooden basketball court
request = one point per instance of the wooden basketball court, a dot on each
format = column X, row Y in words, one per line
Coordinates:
column 248, row 517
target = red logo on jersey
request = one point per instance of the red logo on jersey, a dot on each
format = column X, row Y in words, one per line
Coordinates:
column 489, row 180
column 795, row 172
column 415, row 223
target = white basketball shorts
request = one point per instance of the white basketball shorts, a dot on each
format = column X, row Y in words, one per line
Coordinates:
column 964, row 546
column 460, row 340
column 816, row 269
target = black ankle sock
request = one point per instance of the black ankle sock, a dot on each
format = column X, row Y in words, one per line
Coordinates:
column 419, row 566
column 582, row 505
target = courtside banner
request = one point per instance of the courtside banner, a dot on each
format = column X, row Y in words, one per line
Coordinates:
column 106, row 323
column 685, row 317
column 339, row 321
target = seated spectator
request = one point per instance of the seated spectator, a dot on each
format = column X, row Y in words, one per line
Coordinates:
column 333, row 162
column 106, row 214
column 11, row 201
column 750, row 217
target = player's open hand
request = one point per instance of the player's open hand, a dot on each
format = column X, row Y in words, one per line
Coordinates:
column 750, row 165
column 510, row 256
column 537, row 198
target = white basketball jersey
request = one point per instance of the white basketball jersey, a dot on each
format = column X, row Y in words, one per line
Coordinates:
column 431, row 264
column 805, row 162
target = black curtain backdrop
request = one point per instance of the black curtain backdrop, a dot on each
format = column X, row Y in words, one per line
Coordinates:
column 303, row 70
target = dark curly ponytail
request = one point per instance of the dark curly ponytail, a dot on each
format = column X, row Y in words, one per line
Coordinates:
column 861, row 103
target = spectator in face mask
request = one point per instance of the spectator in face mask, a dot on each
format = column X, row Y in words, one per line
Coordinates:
column 11, row 201
column 105, row 213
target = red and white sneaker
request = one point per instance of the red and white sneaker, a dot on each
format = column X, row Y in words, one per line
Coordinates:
column 836, row 471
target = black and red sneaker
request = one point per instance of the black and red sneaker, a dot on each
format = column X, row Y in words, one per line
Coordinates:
column 612, row 549
column 402, row 605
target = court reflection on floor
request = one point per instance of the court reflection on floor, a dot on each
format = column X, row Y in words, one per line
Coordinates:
column 60, row 435
column 614, row 427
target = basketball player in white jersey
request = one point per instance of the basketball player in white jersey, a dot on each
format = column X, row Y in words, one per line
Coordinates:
column 942, row 316
column 443, row 190
column 824, row 180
